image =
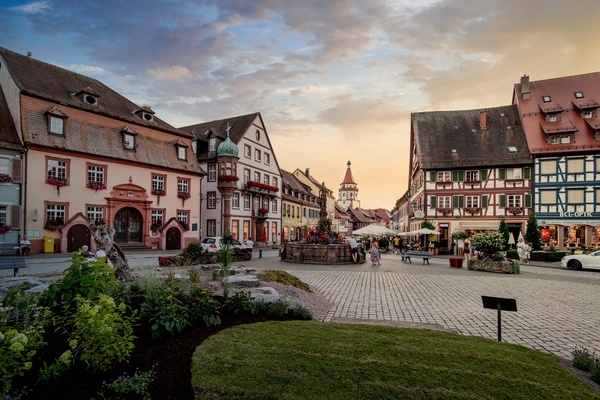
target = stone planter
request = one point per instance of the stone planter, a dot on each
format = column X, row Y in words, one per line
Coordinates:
column 456, row 262
column 491, row 266
column 303, row 253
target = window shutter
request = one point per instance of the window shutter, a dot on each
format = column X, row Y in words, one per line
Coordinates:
column 502, row 201
column 484, row 173
column 527, row 200
column 454, row 176
column 484, row 201
column 432, row 176
column 15, row 215
column 461, row 176
column 461, row 201
column 458, row 201
column 502, row 173
column 17, row 171
column 526, row 173
column 433, row 202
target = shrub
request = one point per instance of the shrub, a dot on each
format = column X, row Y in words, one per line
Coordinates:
column 100, row 333
column 302, row 314
column 165, row 311
column 284, row 278
column 203, row 306
column 595, row 371
column 87, row 279
column 241, row 303
column 280, row 308
column 487, row 243
column 512, row 254
column 583, row 359
column 547, row 256
column 130, row 387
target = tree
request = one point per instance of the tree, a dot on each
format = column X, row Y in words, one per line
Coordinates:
column 503, row 229
column 532, row 234
column 427, row 224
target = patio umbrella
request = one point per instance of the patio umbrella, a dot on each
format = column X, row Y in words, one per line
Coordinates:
column 511, row 238
column 425, row 231
column 374, row 229
column 521, row 236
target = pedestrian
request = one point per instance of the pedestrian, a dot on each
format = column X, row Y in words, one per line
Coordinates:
column 467, row 250
column 526, row 252
column 520, row 249
column 249, row 244
column 396, row 245
column 353, row 249
column 24, row 246
column 375, row 257
column 87, row 253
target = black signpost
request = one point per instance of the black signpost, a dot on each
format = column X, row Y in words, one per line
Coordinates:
column 499, row 303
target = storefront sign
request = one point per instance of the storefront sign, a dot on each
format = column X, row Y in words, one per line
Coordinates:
column 576, row 214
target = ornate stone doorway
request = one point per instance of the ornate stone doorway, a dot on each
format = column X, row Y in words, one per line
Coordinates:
column 128, row 226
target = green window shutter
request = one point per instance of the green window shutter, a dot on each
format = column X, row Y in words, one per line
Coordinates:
column 526, row 173
column 433, row 202
column 484, row 201
column 502, row 201
column 527, row 201
column 432, row 176
column 484, row 173
column 461, row 201
column 458, row 201
column 454, row 201
column 454, row 176
column 502, row 173
column 461, row 176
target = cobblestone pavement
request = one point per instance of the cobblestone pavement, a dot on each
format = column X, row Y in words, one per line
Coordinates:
column 557, row 308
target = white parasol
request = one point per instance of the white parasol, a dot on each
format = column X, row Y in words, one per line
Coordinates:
column 374, row 229
column 511, row 238
column 425, row 231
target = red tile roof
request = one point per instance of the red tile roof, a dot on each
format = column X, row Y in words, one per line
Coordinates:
column 348, row 178
column 562, row 93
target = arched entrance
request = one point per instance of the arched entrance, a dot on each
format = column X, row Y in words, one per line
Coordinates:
column 128, row 225
column 78, row 236
column 173, row 239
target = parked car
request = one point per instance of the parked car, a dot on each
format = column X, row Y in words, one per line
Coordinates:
column 578, row 261
column 213, row 244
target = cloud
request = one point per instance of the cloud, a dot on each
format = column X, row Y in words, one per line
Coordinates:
column 175, row 72
column 37, row 7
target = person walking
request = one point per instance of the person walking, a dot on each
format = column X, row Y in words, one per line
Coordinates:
column 249, row 244
column 396, row 245
column 467, row 249
column 375, row 258
column 353, row 249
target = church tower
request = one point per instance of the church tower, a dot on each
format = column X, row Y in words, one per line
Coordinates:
column 348, row 193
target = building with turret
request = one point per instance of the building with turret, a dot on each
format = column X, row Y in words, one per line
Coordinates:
column 348, row 192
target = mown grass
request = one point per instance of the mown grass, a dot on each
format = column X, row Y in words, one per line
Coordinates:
column 284, row 278
column 315, row 360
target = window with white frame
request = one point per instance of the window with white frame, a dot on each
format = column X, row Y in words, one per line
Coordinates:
column 95, row 173
column 575, row 196
column 266, row 179
column 548, row 197
column 514, row 173
column 212, row 144
column 181, row 153
column 5, row 166
column 267, row 159
column 513, row 200
column 183, row 185
column 56, row 125
column 548, row 167
column 565, row 139
column 183, row 217
column 587, row 114
column 4, row 220
column 212, row 173
column 257, row 154
column 128, row 141
column 247, row 151
column 56, row 212
column 256, row 204
column 158, row 183
column 256, row 176
column 211, row 227
column 444, row 176
column 157, row 216
column 246, row 202
column 235, row 201
column 275, row 182
column 246, row 175
column 552, row 118
column 265, row 203
column 211, row 201
column 95, row 213
column 553, row 139
column 274, row 206
column 471, row 201
column 575, row 165
column 57, row 169
column 471, row 176
column 444, row 202
column 598, row 164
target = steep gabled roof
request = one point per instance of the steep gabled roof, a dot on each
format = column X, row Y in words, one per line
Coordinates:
column 455, row 139
column 9, row 139
column 348, row 178
column 560, row 96
column 56, row 84
column 238, row 127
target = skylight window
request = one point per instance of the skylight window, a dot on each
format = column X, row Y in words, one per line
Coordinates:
column 578, row 95
column 546, row 99
column 512, row 149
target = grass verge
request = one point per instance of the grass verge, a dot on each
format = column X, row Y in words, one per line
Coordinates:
column 315, row 360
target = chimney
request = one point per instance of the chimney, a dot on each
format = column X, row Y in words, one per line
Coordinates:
column 483, row 120
column 525, row 93
column 306, row 172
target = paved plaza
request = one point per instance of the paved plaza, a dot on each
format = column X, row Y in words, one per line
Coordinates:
column 557, row 308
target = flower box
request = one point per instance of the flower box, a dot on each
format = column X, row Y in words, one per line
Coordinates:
column 263, row 210
column 53, row 224
column 445, row 210
column 158, row 192
column 183, row 195
column 56, row 181
column 227, row 178
column 5, row 178
column 472, row 210
column 5, row 228
column 515, row 210
column 155, row 226
column 96, row 185
column 261, row 186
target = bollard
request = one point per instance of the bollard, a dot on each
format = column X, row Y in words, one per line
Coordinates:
column 259, row 253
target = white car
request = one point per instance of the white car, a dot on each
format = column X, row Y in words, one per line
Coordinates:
column 578, row 261
column 213, row 244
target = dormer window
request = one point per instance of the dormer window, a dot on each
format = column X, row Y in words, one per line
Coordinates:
column 546, row 99
column 587, row 114
column 512, row 149
column 181, row 150
column 552, row 118
column 56, row 121
column 129, row 138
column 145, row 113
column 88, row 96
column 578, row 95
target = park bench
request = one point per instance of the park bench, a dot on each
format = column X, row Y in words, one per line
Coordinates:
column 425, row 255
column 13, row 263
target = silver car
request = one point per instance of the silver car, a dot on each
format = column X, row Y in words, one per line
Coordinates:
column 578, row 261
column 213, row 244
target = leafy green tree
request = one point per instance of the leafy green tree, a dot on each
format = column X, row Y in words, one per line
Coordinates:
column 428, row 225
column 532, row 234
column 503, row 229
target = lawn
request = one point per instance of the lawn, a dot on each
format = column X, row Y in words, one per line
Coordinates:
column 314, row 360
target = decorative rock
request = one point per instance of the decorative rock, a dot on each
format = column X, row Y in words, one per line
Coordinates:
column 243, row 280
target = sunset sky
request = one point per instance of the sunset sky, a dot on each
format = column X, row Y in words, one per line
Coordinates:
column 333, row 80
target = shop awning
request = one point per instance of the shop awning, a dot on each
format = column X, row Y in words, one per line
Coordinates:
column 480, row 225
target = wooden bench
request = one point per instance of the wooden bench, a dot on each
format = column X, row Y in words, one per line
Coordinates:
column 13, row 263
column 425, row 255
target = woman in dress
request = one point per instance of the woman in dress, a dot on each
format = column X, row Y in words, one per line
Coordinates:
column 375, row 260
column 467, row 250
column 521, row 249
